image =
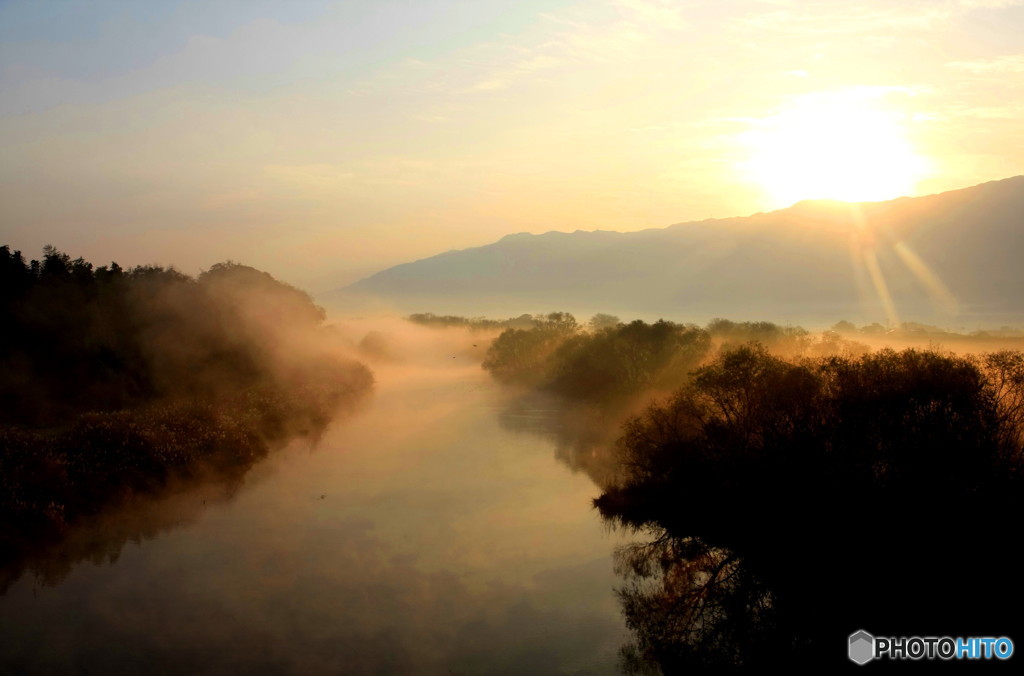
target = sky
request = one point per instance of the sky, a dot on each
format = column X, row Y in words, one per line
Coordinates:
column 324, row 141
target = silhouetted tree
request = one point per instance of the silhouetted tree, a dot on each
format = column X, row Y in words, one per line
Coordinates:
column 792, row 503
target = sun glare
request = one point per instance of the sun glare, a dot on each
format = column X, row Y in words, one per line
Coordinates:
column 843, row 146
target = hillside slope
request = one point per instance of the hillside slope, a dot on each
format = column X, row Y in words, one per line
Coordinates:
column 950, row 257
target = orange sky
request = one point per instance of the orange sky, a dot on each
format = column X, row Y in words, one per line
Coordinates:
column 323, row 141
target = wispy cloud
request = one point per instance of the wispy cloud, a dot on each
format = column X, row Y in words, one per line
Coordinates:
column 664, row 13
column 1009, row 63
column 988, row 4
column 840, row 17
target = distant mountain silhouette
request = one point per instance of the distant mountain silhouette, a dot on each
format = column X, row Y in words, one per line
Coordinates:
column 953, row 257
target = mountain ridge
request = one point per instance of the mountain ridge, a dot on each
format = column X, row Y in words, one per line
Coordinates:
column 921, row 251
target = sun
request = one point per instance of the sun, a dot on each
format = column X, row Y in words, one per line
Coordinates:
column 842, row 146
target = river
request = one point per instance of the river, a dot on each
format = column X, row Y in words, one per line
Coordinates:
column 427, row 534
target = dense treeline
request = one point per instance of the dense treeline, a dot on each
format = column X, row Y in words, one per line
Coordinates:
column 608, row 359
column 792, row 502
column 525, row 321
column 523, row 355
column 117, row 382
column 925, row 331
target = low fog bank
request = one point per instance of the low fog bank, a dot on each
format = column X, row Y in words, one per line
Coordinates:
column 226, row 368
column 578, row 383
column 416, row 342
column 235, row 365
column 592, row 377
column 123, row 383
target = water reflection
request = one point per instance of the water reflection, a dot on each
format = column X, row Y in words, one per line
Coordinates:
column 583, row 434
column 421, row 537
column 102, row 538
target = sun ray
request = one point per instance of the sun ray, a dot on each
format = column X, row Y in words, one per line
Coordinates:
column 881, row 288
column 861, row 279
column 862, row 250
column 939, row 292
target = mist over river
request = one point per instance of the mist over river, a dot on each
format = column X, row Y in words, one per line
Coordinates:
column 424, row 534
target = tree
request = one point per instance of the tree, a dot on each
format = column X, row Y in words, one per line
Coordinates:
column 602, row 321
column 793, row 500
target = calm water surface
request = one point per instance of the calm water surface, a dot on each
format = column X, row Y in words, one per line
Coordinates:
column 420, row 536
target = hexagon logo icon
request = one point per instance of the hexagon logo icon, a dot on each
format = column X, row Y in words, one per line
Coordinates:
column 862, row 647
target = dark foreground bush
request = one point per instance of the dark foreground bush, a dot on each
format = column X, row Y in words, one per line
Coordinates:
column 793, row 503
